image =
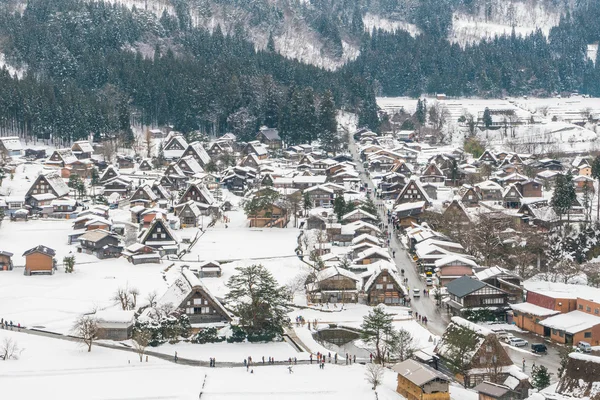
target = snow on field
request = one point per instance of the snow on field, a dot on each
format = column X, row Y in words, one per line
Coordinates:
column 55, row 301
column 243, row 243
column 232, row 352
column 378, row 22
column 55, row 369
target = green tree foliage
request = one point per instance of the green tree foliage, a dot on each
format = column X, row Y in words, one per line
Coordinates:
column 564, row 195
column 540, row 377
column 69, row 264
column 474, row 147
column 487, row 118
column 377, row 330
column 258, row 301
column 421, row 113
column 459, row 342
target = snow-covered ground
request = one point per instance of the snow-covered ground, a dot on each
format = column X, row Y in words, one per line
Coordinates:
column 374, row 21
column 55, row 369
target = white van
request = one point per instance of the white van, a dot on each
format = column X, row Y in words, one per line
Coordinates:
column 584, row 347
column 416, row 292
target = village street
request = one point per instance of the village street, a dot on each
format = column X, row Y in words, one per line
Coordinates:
column 437, row 317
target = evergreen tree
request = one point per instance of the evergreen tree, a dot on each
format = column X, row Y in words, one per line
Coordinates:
column 540, row 377
column 328, row 124
column 377, row 330
column 357, row 27
column 339, row 207
column 421, row 113
column 487, row 118
column 271, row 44
column 368, row 111
column 564, row 195
column 258, row 301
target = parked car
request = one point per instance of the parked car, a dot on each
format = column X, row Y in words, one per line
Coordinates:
column 416, row 292
column 584, row 347
column 539, row 348
column 517, row 342
column 508, row 336
column 501, row 334
column 429, row 281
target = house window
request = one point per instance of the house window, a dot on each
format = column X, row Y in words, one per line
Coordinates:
column 488, row 349
column 158, row 230
column 379, row 286
column 163, row 235
column 587, row 335
column 588, row 309
column 205, row 310
column 154, row 236
column 385, row 278
column 581, row 306
column 482, row 359
column 197, row 301
column 561, row 333
column 596, row 311
column 390, row 285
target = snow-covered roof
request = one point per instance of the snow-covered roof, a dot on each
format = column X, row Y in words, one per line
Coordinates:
column 559, row 290
column 357, row 211
column 532, row 309
column 409, row 206
column 488, row 185
column 393, row 274
column 197, row 148
column 492, row 272
column 366, row 237
column 84, row 145
column 373, row 251
column 333, row 271
column 115, row 316
column 11, row 143
column 183, row 286
column 58, row 184
column 455, row 257
column 571, row 322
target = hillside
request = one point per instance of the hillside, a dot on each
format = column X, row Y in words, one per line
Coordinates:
column 326, row 33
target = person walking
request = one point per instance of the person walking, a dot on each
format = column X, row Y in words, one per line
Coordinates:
column 176, row 357
column 335, row 357
column 355, row 359
column 323, row 364
column 523, row 364
column 311, row 358
column 346, row 358
column 290, row 369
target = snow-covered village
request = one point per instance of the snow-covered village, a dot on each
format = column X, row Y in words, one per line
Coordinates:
column 275, row 199
column 380, row 261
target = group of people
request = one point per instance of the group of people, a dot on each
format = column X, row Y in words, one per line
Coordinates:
column 212, row 362
column 4, row 324
column 300, row 320
column 421, row 318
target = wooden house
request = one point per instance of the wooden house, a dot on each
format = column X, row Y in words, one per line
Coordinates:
column 256, row 148
column 412, row 192
column 467, row 294
column 417, row 381
column 119, row 185
column 385, row 287
column 531, row 188
column 359, row 215
column 189, row 294
column 197, row 193
column 101, row 243
column 371, row 255
column 583, row 183
column 402, row 168
column 512, row 197
column 320, row 196
column 115, row 324
column 469, row 196
column 197, row 151
column 177, row 179
column 82, row 168
column 82, row 149
column 10, row 146
column 109, row 173
column 488, row 157
column 143, row 196
column 138, row 253
column 6, row 261
column 159, row 236
column 145, row 165
column 40, row 259
column 454, row 266
column 270, row 138
column 209, row 269
column 189, row 166
column 505, row 280
column 125, row 162
column 251, row 160
column 433, row 174
column 188, row 214
column 333, row 285
column 410, row 213
column 61, row 158
column 489, row 190
column 174, row 146
column 274, row 216
column 456, row 213
column 46, row 188
column 494, row 391
column 487, row 359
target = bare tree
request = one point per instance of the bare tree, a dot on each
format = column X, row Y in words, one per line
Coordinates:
column 151, row 298
column 9, row 350
column 374, row 374
column 121, row 296
column 141, row 340
column 297, row 284
column 86, row 328
column 108, row 150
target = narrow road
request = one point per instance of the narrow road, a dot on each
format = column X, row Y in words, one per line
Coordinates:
column 437, row 318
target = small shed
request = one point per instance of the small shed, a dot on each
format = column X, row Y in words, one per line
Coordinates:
column 115, row 324
column 6, row 261
column 39, row 259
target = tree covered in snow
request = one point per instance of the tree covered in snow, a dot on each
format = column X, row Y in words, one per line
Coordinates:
column 259, row 302
column 163, row 325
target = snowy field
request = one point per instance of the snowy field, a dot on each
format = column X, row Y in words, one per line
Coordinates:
column 55, row 369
